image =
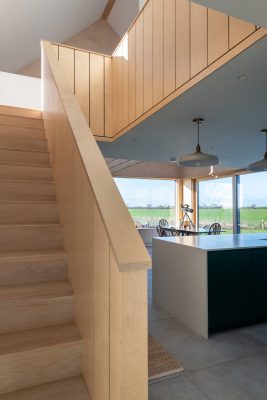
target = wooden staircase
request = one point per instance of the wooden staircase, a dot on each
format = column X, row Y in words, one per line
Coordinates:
column 40, row 346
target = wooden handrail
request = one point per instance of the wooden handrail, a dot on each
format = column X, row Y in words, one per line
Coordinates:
column 77, row 48
column 127, row 245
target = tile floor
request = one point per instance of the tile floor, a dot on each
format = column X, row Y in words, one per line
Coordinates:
column 229, row 366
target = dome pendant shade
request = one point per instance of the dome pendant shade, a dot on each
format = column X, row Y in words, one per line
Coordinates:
column 262, row 164
column 198, row 159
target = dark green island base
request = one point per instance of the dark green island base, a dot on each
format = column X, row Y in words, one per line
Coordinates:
column 212, row 283
column 237, row 288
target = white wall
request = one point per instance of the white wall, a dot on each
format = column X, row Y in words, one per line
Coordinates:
column 122, row 15
column 20, row 91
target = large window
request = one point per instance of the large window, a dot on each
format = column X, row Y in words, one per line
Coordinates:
column 215, row 202
column 252, row 201
column 149, row 200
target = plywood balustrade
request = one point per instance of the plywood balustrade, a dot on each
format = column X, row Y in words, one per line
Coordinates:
column 171, row 45
column 107, row 261
column 90, row 77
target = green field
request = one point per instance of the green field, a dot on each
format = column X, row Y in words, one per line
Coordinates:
column 249, row 217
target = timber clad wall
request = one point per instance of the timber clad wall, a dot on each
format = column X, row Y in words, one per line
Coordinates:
column 170, row 43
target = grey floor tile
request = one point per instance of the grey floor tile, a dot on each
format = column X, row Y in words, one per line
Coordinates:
column 258, row 332
column 243, row 379
column 155, row 312
column 179, row 388
column 202, row 353
column 195, row 352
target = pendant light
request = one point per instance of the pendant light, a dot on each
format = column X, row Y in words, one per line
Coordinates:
column 262, row 164
column 198, row 159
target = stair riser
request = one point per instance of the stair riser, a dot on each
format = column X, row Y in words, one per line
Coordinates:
column 34, row 367
column 21, row 121
column 20, row 238
column 31, row 133
column 27, row 191
column 22, row 143
column 20, row 112
column 35, row 312
column 33, row 270
column 21, row 172
column 24, row 213
column 23, row 157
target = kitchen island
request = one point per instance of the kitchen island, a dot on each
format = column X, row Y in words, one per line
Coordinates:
column 212, row 283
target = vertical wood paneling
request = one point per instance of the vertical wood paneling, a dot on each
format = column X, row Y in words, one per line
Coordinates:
column 217, row 35
column 125, row 83
column 139, row 65
column 108, row 98
column 118, row 81
column 82, row 81
column 169, row 47
column 128, row 329
column 101, row 309
column 132, row 74
column 157, row 51
column 66, row 59
column 148, row 70
column 182, row 42
column 199, row 45
column 239, row 30
column 110, row 305
column 97, row 100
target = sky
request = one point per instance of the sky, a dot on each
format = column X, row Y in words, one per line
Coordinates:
column 253, row 190
column 141, row 192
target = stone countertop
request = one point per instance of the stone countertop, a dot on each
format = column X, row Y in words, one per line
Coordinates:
column 219, row 242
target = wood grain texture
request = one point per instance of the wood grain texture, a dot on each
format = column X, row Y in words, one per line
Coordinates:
column 108, row 98
column 169, row 47
column 118, row 89
column 65, row 389
column 199, row 45
column 125, row 82
column 82, row 81
column 148, row 57
column 55, row 350
column 139, row 66
column 158, row 51
column 97, row 95
column 217, row 35
column 239, row 30
column 20, row 112
column 93, row 216
column 66, row 59
column 182, row 42
column 132, row 73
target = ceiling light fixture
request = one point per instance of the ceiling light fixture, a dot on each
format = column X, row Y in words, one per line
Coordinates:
column 262, row 164
column 198, row 159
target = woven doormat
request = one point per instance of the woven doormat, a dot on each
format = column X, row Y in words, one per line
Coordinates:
column 160, row 362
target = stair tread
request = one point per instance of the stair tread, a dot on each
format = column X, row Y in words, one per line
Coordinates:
column 23, row 150
column 31, row 254
column 43, row 290
column 66, row 389
column 14, row 342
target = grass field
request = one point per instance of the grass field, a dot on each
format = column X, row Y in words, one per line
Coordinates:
column 249, row 218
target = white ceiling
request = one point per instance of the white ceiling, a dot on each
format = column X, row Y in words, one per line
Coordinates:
column 254, row 11
column 122, row 15
column 234, row 111
column 23, row 23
